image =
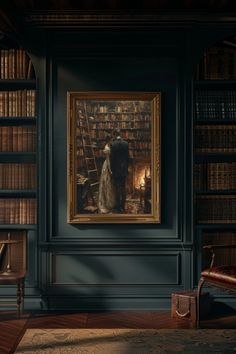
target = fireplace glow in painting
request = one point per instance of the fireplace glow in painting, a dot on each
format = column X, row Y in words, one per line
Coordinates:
column 113, row 157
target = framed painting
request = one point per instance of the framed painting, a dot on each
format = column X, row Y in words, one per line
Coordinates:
column 114, row 157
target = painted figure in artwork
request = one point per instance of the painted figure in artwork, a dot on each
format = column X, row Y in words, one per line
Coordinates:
column 119, row 162
column 106, row 193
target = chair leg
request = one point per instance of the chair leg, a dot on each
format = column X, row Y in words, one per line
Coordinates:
column 18, row 298
column 199, row 289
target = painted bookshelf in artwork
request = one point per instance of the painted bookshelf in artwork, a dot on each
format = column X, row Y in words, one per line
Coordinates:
column 133, row 122
column 18, row 140
column 133, row 119
column 214, row 148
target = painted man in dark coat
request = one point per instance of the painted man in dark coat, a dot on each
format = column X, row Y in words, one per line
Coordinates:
column 119, row 160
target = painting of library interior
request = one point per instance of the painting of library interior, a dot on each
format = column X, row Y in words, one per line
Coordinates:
column 113, row 151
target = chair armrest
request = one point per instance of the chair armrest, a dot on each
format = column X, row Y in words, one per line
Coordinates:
column 219, row 246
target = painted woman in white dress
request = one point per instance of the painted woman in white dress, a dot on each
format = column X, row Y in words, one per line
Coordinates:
column 106, row 193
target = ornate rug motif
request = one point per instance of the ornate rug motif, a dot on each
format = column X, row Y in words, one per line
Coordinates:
column 127, row 341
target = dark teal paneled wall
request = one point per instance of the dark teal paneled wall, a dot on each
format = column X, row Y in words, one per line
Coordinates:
column 118, row 266
column 113, row 74
column 113, row 266
column 130, row 64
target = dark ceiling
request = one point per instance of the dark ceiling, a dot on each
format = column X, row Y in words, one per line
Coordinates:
column 181, row 5
column 13, row 13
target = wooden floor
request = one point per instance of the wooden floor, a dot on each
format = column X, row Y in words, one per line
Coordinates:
column 12, row 328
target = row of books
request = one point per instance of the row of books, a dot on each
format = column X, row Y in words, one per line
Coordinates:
column 215, row 104
column 129, row 136
column 215, row 138
column 108, row 116
column 18, row 176
column 216, row 209
column 121, row 125
column 17, row 138
column 214, row 176
column 114, row 106
column 18, row 211
column 224, row 256
column 137, row 153
column 219, row 237
column 20, row 103
column 140, row 145
column 133, row 145
column 132, row 135
column 140, row 153
column 218, row 63
column 15, row 64
column 118, row 116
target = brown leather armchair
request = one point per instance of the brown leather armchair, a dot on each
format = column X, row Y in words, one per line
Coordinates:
column 221, row 276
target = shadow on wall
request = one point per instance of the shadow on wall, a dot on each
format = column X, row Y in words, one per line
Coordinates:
column 100, row 279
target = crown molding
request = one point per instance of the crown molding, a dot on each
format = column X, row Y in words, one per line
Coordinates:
column 136, row 19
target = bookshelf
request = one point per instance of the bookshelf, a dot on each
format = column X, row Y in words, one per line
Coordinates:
column 135, row 128
column 96, row 120
column 18, row 140
column 214, row 147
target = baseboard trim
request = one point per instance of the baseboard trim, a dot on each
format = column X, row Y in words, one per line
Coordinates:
column 63, row 303
column 105, row 303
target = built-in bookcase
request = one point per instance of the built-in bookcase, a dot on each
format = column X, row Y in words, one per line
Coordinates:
column 214, row 149
column 18, row 140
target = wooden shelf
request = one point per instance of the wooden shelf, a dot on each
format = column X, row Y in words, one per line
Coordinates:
column 12, row 193
column 18, row 226
column 214, row 121
column 215, row 84
column 21, row 204
column 215, row 157
column 216, row 192
column 214, row 104
column 216, row 227
column 18, row 157
column 13, row 84
column 18, row 121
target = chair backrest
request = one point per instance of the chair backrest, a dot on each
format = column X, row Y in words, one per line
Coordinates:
column 18, row 251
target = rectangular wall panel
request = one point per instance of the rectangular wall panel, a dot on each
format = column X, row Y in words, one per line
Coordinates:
column 115, row 269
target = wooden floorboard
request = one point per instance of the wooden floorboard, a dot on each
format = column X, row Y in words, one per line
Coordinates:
column 58, row 320
column 121, row 319
column 12, row 328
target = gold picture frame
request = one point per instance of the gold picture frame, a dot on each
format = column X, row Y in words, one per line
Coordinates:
column 113, row 157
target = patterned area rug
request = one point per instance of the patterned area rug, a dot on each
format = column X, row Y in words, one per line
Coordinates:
column 127, row 341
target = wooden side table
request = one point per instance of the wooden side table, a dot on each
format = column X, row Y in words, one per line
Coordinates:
column 10, row 277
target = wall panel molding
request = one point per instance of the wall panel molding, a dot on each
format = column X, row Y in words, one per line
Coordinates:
column 78, row 74
column 115, row 268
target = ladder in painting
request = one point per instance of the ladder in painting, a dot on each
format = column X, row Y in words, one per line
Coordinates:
column 90, row 164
